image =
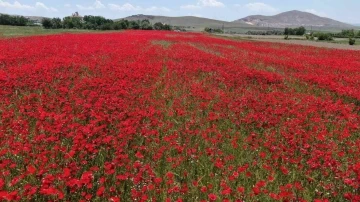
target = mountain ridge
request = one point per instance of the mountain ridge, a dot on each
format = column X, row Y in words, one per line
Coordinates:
column 186, row 21
column 292, row 18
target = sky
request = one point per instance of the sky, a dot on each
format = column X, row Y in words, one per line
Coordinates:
column 228, row 10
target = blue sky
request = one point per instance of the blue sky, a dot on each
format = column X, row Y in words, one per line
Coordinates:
column 345, row 10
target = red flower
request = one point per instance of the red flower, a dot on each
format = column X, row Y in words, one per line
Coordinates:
column 66, row 172
column 114, row 199
column 203, row 189
column 31, row 169
column 139, row 155
column 241, row 189
column 226, row 191
column 2, row 183
column 212, row 197
column 169, row 175
column 100, row 191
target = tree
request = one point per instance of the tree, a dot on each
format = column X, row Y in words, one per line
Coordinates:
column 117, row 26
column 68, row 23
column 161, row 26
column 47, row 23
column 89, row 26
column 158, row 26
column 56, row 23
column 13, row 20
column 167, row 27
column 125, row 24
column 107, row 26
column 134, row 25
column 21, row 21
column 348, row 33
column 77, row 22
column 146, row 25
column 96, row 21
column 72, row 22
column 351, row 41
column 287, row 31
column 295, row 31
column 300, row 31
column 324, row 36
column 211, row 30
column 5, row 20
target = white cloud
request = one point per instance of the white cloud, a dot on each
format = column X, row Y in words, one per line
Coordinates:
column 67, row 5
column 154, row 8
column 211, row 3
column 125, row 7
column 43, row 6
column 18, row 6
column 313, row 11
column 190, row 7
column 195, row 15
column 15, row 5
column 96, row 5
column 260, row 7
column 203, row 3
column 130, row 7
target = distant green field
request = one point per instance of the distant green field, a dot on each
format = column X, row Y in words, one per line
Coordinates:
column 345, row 41
column 17, row 31
column 243, row 30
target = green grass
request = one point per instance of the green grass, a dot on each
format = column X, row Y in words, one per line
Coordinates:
column 345, row 41
column 18, row 31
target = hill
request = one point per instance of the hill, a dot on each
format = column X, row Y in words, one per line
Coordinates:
column 35, row 18
column 292, row 19
column 31, row 18
column 188, row 21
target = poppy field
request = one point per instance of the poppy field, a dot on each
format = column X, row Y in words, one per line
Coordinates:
column 165, row 116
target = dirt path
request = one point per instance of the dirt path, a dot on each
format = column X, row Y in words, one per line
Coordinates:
column 280, row 39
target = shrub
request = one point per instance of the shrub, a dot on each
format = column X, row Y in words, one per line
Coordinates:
column 351, row 41
column 269, row 32
column 348, row 33
column 158, row 26
column 295, row 31
column 213, row 30
column 146, row 25
column 47, row 23
column 56, row 23
column 324, row 36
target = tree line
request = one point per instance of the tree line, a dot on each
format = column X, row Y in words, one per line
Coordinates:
column 268, row 32
column 101, row 23
column 14, row 20
column 349, row 33
column 299, row 31
column 213, row 30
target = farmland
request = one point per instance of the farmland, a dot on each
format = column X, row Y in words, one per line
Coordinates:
column 7, row 31
column 165, row 116
column 299, row 40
